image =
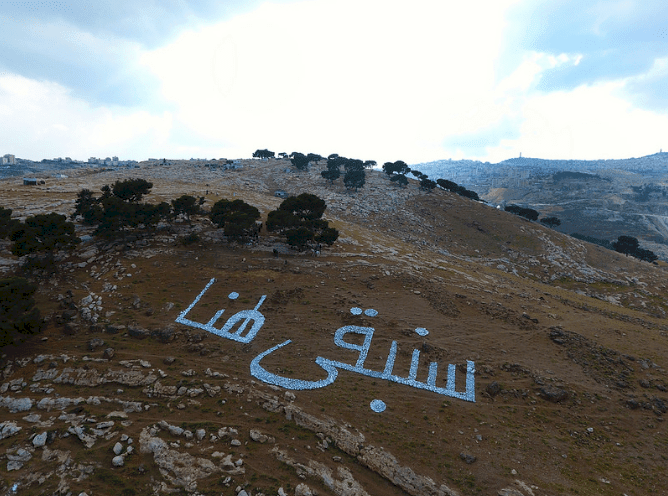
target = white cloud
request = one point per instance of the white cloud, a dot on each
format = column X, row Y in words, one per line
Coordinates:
column 370, row 79
column 589, row 122
column 377, row 80
column 59, row 124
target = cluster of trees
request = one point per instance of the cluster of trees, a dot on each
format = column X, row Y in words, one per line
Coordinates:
column 355, row 170
column 624, row 244
column 263, row 154
column 301, row 161
column 531, row 214
column 456, row 188
column 38, row 237
column 19, row 318
column 119, row 208
column 629, row 245
column 527, row 213
column 299, row 218
column 596, row 241
column 237, row 218
column 397, row 171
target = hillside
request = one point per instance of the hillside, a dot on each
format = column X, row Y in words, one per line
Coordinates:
column 568, row 342
column 600, row 198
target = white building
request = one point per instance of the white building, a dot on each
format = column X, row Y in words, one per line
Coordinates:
column 9, row 159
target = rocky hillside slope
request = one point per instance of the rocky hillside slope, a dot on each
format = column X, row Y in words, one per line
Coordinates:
column 561, row 344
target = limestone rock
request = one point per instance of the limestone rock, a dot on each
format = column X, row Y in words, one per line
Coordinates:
column 39, row 440
column 8, row 428
column 258, row 437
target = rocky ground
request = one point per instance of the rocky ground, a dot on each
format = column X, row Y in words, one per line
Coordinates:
column 115, row 397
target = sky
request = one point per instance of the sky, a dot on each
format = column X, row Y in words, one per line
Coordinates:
column 381, row 80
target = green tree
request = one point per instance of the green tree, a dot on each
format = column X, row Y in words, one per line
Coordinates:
column 551, row 222
column 237, row 218
column 38, row 238
column 187, row 206
column 398, row 167
column 333, row 171
column 131, row 190
column 299, row 237
column 399, row 179
column 427, row 184
column 527, row 213
column 300, row 161
column 630, row 246
column 88, row 207
column 298, row 214
column 7, row 224
column 19, row 317
column 328, row 236
column 43, row 233
column 354, row 178
column 263, row 154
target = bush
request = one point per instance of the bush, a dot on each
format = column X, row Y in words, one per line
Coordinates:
column 43, row 233
column 527, row 213
column 299, row 218
column 236, row 217
column 7, row 225
column 18, row 316
column 550, row 221
column 189, row 239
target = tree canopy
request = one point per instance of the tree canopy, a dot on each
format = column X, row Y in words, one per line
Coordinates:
column 263, row 154
column 630, row 246
column 551, row 221
column 187, row 205
column 43, row 233
column 236, row 217
column 299, row 218
column 18, row 315
column 527, row 213
column 456, row 188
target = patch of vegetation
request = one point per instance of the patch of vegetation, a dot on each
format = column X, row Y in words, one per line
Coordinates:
column 19, row 317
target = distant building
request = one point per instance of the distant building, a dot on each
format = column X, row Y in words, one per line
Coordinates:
column 281, row 193
column 9, row 159
column 93, row 160
column 30, row 181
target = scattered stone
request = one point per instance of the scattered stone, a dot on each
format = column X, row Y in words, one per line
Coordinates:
column 303, row 490
column 553, row 394
column 469, row 459
column 258, row 437
column 138, row 332
column 95, row 343
column 493, row 389
column 508, row 491
column 118, row 449
column 108, row 353
column 118, row 461
column 114, row 328
column 8, row 428
column 165, row 335
column 40, row 440
column 235, row 442
column 16, row 460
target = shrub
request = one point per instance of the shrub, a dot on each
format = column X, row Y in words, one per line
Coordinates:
column 18, row 316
